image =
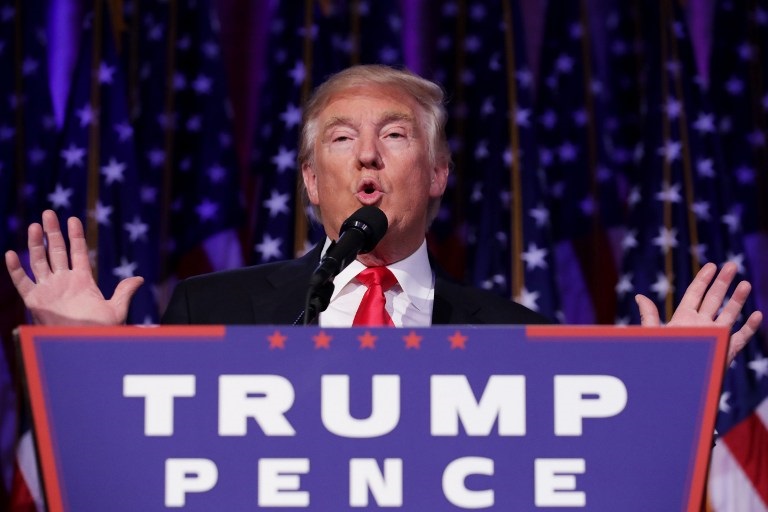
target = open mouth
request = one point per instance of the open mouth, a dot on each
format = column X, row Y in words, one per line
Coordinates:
column 368, row 192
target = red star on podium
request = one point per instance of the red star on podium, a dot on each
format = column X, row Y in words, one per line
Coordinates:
column 277, row 340
column 413, row 340
column 457, row 340
column 322, row 340
column 367, row 340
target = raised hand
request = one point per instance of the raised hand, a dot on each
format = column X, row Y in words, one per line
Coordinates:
column 701, row 307
column 63, row 291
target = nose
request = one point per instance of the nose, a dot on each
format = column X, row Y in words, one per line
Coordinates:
column 368, row 155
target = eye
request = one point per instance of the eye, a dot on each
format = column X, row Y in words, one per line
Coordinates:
column 340, row 138
column 395, row 135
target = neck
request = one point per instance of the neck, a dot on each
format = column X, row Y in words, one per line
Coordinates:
column 388, row 253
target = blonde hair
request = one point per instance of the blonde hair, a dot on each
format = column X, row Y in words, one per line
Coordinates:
column 428, row 95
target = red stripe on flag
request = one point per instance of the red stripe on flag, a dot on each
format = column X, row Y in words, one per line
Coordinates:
column 748, row 443
column 21, row 499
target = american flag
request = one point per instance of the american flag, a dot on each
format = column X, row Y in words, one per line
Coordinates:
column 27, row 142
column 96, row 176
column 739, row 472
column 586, row 206
column 496, row 198
column 305, row 47
column 188, row 179
column 682, row 212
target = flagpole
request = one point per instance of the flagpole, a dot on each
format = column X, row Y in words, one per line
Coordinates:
column 94, row 142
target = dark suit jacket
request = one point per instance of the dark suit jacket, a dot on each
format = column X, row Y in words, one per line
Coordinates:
column 274, row 293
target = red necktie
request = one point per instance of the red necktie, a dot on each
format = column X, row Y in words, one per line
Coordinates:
column 372, row 309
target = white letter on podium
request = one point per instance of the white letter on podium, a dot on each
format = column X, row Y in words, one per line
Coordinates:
column 555, row 484
column 453, row 482
column 158, row 392
column 188, row 475
column 452, row 401
column 279, row 483
column 586, row 396
column 264, row 398
column 386, row 489
column 385, row 407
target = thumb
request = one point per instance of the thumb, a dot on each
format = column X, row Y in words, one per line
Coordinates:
column 123, row 294
column 649, row 314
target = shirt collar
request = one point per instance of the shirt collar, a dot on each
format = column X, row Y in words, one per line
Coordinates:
column 414, row 275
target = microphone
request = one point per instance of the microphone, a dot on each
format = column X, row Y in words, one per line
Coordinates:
column 359, row 234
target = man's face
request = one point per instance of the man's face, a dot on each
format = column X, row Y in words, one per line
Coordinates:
column 371, row 149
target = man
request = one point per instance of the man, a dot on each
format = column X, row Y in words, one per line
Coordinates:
column 371, row 135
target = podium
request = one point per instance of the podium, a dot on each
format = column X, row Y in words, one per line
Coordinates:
column 303, row 418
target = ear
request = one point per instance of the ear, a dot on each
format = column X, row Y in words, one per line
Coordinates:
column 310, row 183
column 439, row 180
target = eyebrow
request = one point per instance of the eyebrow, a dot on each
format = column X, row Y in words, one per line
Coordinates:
column 388, row 117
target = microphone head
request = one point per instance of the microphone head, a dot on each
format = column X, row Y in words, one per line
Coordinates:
column 371, row 221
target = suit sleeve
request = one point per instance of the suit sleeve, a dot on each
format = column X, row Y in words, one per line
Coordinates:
column 177, row 311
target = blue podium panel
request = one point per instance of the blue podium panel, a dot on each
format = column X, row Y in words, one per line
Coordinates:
column 445, row 418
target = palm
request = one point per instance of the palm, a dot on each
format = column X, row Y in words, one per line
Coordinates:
column 702, row 306
column 62, row 294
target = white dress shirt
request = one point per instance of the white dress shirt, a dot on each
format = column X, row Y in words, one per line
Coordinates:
column 409, row 302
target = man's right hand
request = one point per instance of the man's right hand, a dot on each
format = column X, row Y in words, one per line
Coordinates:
column 63, row 291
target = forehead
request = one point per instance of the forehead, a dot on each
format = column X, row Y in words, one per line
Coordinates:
column 369, row 102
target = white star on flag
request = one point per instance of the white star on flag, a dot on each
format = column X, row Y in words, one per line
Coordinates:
column 284, row 159
column 662, row 286
column 760, row 366
column 86, row 115
column 666, row 240
column 671, row 150
column 101, row 214
column 136, row 229
column 216, row 173
column 732, row 220
column 202, row 84
column 106, row 73
column 291, row 116
column 277, row 203
column 73, row 156
column 126, row 269
column 298, row 73
column 705, row 123
column 207, row 209
column 535, row 257
column 624, row 285
column 528, row 299
column 540, row 215
column 59, row 198
column 738, row 260
column 113, row 171
column 269, row 248
column 124, row 131
column 723, row 405
column 701, row 210
column 704, row 168
column 630, row 240
column 670, row 193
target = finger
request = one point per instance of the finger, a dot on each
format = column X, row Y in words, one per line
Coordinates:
column 695, row 292
column 78, row 246
column 57, row 248
column 38, row 261
column 735, row 304
column 719, row 289
column 19, row 277
column 123, row 294
column 649, row 313
column 741, row 337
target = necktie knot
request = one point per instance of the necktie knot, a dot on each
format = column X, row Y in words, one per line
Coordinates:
column 377, row 277
column 372, row 310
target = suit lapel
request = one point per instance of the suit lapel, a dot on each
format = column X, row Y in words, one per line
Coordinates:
column 451, row 305
column 289, row 282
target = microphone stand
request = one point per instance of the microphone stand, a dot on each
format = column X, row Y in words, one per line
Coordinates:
column 316, row 302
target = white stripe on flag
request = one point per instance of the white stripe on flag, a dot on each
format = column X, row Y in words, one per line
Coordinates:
column 729, row 488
